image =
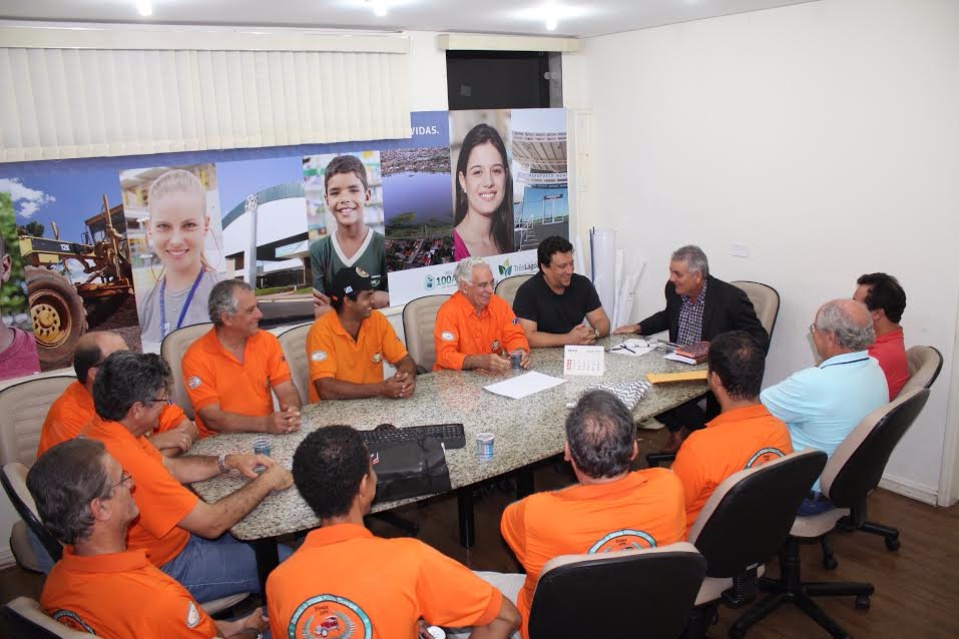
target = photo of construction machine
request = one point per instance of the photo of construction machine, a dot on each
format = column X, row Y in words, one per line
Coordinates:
column 64, row 302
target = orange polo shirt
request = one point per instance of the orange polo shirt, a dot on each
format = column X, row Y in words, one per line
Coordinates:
column 213, row 375
column 346, row 581
column 460, row 332
column 73, row 411
column 890, row 351
column 162, row 500
column 641, row 510
column 122, row 596
column 332, row 352
column 735, row 440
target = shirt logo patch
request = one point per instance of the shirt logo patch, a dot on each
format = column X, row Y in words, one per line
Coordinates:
column 192, row 616
column 361, row 272
column 447, row 336
column 763, row 456
column 72, row 620
column 194, row 382
column 377, row 358
column 625, row 539
column 495, row 346
column 330, row 617
column 318, row 356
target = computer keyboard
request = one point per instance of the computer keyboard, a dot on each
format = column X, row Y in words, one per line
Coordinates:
column 451, row 435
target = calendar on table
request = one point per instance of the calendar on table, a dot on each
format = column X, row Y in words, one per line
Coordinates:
column 584, row 360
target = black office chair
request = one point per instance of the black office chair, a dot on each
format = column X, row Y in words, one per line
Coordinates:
column 925, row 363
column 628, row 593
column 26, row 620
column 853, row 471
column 742, row 526
column 13, row 477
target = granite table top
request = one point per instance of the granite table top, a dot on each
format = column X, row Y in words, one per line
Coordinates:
column 526, row 430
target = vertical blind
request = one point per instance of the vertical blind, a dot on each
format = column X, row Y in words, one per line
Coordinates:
column 81, row 102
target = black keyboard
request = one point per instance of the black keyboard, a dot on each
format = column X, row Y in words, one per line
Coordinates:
column 451, row 435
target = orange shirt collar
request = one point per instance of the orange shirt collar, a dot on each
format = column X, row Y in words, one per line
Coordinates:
column 891, row 336
column 739, row 414
column 113, row 429
column 79, row 394
column 337, row 326
column 335, row 534
column 125, row 561
column 578, row 492
column 466, row 307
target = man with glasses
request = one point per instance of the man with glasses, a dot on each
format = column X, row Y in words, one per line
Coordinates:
column 183, row 536
column 73, row 410
column 100, row 586
column 821, row 405
column 475, row 328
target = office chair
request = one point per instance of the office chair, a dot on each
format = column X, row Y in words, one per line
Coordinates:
column 419, row 318
column 293, row 343
column 28, row 620
column 631, row 593
column 742, row 526
column 172, row 349
column 23, row 407
column 925, row 363
column 507, row 287
column 853, row 471
column 765, row 300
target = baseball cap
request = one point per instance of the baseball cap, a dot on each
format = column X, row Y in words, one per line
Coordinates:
column 350, row 281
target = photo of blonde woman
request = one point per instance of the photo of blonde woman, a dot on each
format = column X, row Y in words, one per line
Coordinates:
column 177, row 235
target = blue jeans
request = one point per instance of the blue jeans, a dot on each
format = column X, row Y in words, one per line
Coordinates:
column 814, row 504
column 212, row 569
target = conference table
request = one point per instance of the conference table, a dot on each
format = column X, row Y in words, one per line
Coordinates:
column 526, row 431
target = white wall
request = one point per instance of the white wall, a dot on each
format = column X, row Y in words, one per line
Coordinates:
column 823, row 136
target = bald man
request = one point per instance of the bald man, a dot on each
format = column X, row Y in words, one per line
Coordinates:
column 823, row 404
column 73, row 410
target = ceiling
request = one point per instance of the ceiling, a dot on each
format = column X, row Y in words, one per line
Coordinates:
column 578, row 18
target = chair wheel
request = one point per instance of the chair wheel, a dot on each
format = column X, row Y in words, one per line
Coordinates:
column 829, row 563
column 862, row 602
column 892, row 545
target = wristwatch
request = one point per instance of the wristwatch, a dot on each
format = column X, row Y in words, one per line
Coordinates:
column 221, row 463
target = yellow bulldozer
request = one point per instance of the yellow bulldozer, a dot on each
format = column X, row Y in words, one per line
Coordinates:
column 62, row 310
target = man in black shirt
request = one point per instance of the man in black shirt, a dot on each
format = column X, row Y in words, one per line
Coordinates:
column 552, row 304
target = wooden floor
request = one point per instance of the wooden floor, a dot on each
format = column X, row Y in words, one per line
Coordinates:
column 917, row 588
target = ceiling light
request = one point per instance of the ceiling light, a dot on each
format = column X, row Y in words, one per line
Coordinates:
column 145, row 8
column 551, row 24
column 378, row 7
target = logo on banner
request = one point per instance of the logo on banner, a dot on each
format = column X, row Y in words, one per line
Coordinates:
column 429, row 282
column 505, row 269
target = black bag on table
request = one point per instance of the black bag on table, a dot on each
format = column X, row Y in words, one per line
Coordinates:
column 409, row 469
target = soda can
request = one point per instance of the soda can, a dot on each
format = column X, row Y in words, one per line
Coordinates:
column 484, row 446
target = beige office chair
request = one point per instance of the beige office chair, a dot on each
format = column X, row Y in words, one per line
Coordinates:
column 507, row 287
column 852, row 472
column 293, row 343
column 765, row 300
column 629, row 593
column 23, row 407
column 172, row 349
column 419, row 318
column 28, row 620
column 925, row 363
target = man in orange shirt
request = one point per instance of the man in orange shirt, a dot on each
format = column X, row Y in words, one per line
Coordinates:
column 744, row 435
column 182, row 535
column 73, row 410
column 883, row 296
column 343, row 578
column 346, row 348
column 229, row 372
column 610, row 509
column 99, row 586
column 475, row 328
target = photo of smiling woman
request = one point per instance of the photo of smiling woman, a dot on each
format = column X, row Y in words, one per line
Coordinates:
column 483, row 213
column 175, row 277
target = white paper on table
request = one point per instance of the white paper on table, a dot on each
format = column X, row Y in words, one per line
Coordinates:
column 679, row 358
column 633, row 348
column 524, row 385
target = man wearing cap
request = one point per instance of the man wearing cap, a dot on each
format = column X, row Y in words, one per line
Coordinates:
column 230, row 371
column 475, row 328
column 346, row 348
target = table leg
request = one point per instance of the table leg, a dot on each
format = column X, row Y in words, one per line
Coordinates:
column 267, row 558
column 464, row 501
column 524, row 482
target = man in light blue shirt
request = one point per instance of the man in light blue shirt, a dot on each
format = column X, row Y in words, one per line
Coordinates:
column 823, row 404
